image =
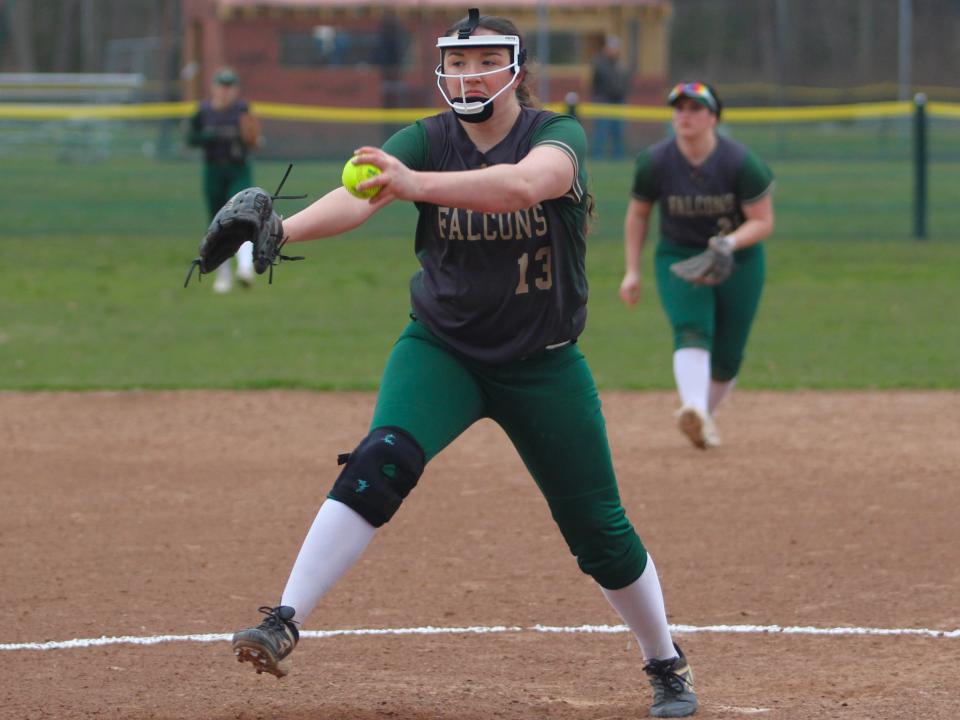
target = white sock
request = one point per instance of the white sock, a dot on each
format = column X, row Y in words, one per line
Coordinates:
column 718, row 392
column 691, row 368
column 640, row 604
column 335, row 541
column 224, row 271
column 245, row 259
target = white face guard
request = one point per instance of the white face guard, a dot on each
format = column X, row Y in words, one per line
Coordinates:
column 460, row 104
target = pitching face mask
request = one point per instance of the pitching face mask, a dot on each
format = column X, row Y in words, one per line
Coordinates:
column 476, row 110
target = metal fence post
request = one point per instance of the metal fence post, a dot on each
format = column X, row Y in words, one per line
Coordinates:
column 920, row 166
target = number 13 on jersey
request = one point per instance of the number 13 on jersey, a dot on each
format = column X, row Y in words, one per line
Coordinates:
column 542, row 276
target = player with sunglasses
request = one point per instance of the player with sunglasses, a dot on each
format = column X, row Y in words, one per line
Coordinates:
column 716, row 206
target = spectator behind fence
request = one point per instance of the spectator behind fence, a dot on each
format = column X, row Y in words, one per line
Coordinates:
column 227, row 131
column 610, row 85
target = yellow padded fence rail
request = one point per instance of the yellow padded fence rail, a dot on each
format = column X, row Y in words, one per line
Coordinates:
column 310, row 113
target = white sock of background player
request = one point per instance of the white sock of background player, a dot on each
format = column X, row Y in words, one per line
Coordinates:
column 718, row 392
column 245, row 260
column 640, row 604
column 224, row 273
column 691, row 369
column 335, row 541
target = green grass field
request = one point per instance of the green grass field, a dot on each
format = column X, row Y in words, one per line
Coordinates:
column 96, row 256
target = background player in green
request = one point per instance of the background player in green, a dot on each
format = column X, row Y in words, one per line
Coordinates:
column 498, row 304
column 227, row 131
column 706, row 186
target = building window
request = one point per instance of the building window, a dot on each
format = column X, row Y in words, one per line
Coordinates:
column 566, row 48
column 327, row 46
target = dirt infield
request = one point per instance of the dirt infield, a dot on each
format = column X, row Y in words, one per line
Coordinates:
column 152, row 514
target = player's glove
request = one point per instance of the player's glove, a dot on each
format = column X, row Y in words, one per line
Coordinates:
column 711, row 267
column 247, row 216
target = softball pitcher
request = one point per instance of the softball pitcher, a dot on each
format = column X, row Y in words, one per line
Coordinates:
column 498, row 304
column 715, row 199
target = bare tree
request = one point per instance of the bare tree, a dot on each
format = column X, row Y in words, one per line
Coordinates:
column 89, row 32
column 767, row 41
column 19, row 16
column 66, row 37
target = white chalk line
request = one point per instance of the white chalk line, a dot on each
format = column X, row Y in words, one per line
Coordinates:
column 486, row 629
column 741, row 710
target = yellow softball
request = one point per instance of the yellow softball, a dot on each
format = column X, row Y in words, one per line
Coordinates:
column 353, row 175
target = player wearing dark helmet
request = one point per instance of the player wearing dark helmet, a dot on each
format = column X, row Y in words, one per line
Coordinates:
column 498, row 304
column 228, row 131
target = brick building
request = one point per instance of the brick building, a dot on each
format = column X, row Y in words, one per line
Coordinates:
column 362, row 54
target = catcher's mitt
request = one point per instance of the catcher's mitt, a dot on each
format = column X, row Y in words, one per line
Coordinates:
column 711, row 267
column 248, row 215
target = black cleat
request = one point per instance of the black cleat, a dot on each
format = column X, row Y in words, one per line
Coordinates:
column 269, row 643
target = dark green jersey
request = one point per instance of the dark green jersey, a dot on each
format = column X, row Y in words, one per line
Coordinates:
column 217, row 131
column 499, row 286
column 698, row 202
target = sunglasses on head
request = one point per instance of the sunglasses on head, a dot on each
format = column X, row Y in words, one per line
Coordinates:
column 695, row 90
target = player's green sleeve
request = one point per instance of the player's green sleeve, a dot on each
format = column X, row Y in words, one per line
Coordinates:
column 644, row 187
column 754, row 180
column 565, row 133
column 409, row 146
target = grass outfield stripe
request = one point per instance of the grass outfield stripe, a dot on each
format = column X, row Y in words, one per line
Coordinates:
column 486, row 630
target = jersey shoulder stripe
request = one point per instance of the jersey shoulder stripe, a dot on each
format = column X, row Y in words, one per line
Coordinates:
column 576, row 190
column 754, row 179
column 565, row 133
column 766, row 191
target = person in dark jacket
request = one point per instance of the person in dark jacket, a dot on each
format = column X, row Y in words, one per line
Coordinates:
column 610, row 85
